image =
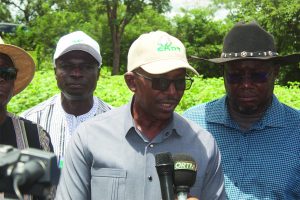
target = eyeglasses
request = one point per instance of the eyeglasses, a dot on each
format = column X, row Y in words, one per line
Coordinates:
column 163, row 84
column 8, row 73
column 255, row 77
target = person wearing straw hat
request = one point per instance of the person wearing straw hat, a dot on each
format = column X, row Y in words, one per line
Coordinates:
column 77, row 63
column 113, row 154
column 258, row 135
column 16, row 72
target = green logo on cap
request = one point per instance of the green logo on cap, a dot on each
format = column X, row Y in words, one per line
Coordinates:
column 76, row 41
column 167, row 47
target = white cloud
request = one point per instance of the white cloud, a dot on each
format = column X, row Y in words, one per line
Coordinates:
column 190, row 4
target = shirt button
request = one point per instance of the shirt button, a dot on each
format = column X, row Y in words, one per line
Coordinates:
column 150, row 178
column 151, row 145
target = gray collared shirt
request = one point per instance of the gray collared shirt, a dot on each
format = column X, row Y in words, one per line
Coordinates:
column 108, row 159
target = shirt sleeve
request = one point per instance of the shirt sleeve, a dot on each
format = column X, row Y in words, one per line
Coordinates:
column 75, row 178
column 214, row 188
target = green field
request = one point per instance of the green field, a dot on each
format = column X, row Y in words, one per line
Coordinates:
column 113, row 90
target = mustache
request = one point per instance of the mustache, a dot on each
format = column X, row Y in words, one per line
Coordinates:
column 169, row 100
column 71, row 82
column 247, row 93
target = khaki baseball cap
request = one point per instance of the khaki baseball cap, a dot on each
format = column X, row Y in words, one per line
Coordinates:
column 157, row 53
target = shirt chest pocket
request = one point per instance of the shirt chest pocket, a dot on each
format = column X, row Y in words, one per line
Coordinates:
column 107, row 183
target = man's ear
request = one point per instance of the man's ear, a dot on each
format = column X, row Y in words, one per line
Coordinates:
column 98, row 73
column 130, row 81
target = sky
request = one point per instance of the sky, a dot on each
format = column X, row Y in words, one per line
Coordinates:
column 176, row 4
column 189, row 4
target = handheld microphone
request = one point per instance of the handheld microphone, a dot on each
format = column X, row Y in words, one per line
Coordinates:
column 165, row 169
column 185, row 171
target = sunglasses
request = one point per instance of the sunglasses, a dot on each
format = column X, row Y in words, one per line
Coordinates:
column 163, row 84
column 8, row 73
column 255, row 77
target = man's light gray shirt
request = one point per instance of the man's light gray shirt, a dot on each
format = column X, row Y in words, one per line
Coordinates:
column 108, row 159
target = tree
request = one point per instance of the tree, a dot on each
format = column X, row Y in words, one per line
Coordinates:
column 5, row 15
column 120, row 13
column 203, row 37
column 25, row 11
column 148, row 20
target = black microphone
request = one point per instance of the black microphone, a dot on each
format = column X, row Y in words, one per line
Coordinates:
column 185, row 171
column 165, row 170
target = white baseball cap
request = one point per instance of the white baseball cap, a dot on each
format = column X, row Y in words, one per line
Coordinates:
column 77, row 40
column 157, row 53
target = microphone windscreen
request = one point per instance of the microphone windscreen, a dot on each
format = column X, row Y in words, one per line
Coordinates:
column 164, row 158
column 185, row 170
column 165, row 168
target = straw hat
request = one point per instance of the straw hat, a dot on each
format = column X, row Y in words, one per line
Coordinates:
column 23, row 62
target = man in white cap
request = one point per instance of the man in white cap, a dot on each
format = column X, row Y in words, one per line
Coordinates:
column 77, row 62
column 113, row 154
column 16, row 72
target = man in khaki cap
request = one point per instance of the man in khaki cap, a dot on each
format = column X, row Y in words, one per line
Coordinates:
column 112, row 156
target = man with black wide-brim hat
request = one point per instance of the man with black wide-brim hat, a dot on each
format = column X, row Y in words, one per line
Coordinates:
column 16, row 72
column 257, row 135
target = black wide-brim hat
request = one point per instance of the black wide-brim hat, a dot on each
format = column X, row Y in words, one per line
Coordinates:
column 251, row 42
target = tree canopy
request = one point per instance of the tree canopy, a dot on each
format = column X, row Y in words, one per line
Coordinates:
column 115, row 24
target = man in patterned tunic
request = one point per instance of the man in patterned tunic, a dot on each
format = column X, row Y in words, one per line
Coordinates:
column 16, row 72
column 77, row 62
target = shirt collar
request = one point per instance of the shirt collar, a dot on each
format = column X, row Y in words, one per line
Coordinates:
column 217, row 112
column 173, row 127
column 275, row 115
column 92, row 111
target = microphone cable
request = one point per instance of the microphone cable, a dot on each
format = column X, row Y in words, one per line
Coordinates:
column 26, row 173
column 16, row 182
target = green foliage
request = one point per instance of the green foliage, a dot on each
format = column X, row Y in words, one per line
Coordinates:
column 5, row 15
column 203, row 37
column 41, row 88
column 113, row 90
column 48, row 20
column 149, row 20
column 25, row 11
